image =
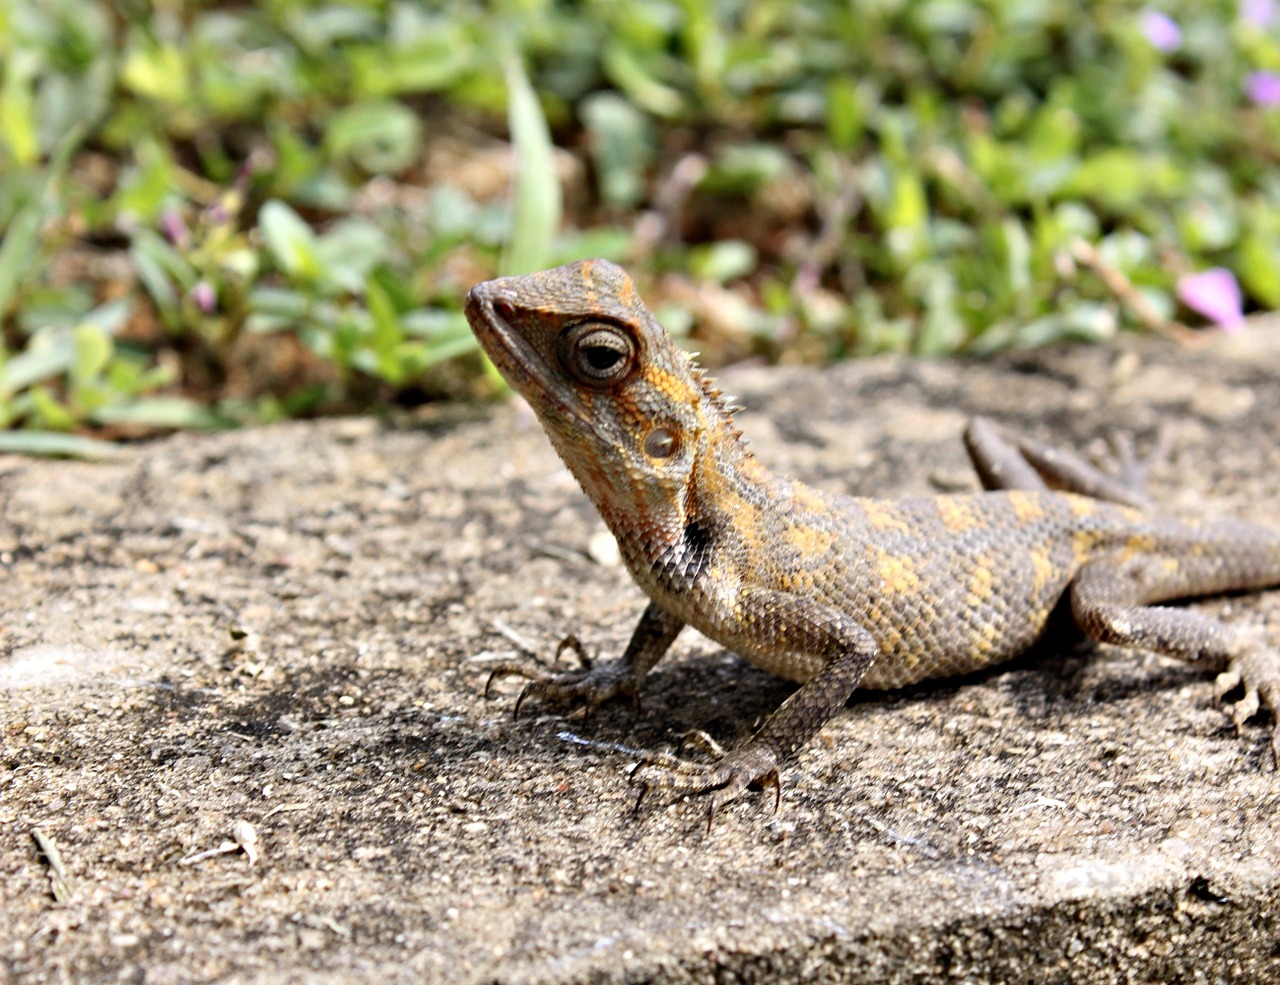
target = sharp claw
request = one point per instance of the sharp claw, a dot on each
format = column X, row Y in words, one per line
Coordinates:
column 644, row 790
column 524, row 693
column 506, row 670
column 571, row 642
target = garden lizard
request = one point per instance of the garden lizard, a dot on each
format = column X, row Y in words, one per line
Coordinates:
column 831, row 591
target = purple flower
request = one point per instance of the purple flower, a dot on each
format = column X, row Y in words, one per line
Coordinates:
column 1161, row 30
column 1263, row 88
column 175, row 230
column 205, row 297
column 1259, row 13
column 1215, row 294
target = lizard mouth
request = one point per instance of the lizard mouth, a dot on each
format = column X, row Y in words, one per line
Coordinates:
column 517, row 360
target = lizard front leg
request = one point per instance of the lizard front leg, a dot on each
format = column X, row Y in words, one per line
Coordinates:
column 787, row 621
column 594, row 685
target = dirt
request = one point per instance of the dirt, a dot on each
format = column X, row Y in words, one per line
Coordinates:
column 291, row 627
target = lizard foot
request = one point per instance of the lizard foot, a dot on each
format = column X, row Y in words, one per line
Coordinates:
column 1128, row 468
column 1255, row 673
column 586, row 687
column 728, row 775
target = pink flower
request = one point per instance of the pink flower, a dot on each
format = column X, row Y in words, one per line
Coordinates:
column 205, row 297
column 1263, row 88
column 175, row 230
column 1215, row 294
column 1259, row 13
column 1161, row 30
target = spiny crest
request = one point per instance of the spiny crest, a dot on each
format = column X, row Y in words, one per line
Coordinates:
column 721, row 404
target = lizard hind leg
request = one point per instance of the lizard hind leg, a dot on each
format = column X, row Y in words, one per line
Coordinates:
column 1111, row 600
column 1017, row 462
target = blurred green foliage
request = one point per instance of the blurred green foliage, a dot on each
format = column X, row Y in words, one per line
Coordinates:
column 221, row 212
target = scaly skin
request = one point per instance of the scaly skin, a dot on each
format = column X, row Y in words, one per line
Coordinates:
column 831, row 591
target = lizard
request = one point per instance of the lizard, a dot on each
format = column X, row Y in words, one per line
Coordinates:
column 832, row 591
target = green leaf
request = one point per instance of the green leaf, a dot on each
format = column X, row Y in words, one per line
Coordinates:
column 845, row 117
column 49, row 411
column 942, row 331
column 1260, row 268
column 724, row 261
column 622, row 146
column 630, row 74
column 537, row 208
column 93, row 349
column 1017, row 248
column 386, row 331
column 54, row 444
column 1085, row 322
column 382, row 137
column 17, row 251
column 42, row 360
column 349, row 250
column 1119, row 177
column 159, row 73
column 18, row 248
column 447, row 334
column 290, row 240
column 162, row 412
column 18, row 134
column 743, row 168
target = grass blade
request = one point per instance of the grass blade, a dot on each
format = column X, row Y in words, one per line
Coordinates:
column 536, row 209
column 56, row 444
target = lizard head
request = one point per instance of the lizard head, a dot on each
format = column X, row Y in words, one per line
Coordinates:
column 628, row 411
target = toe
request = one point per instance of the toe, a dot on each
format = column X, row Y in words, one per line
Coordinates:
column 1245, row 708
column 1225, row 683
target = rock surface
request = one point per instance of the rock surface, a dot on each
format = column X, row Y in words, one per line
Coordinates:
column 291, row 627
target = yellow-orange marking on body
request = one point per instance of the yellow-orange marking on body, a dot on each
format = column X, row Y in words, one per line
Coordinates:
column 981, row 583
column 884, row 516
column 1038, row 617
column 888, row 636
column 1044, row 571
column 806, row 499
column 957, row 514
column 1026, row 505
column 1082, row 544
column 811, row 543
column 984, row 639
column 588, row 285
column 1143, row 543
column 627, row 292
column 897, row 574
column 1082, row 505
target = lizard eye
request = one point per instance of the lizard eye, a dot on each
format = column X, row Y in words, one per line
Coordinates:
column 597, row 353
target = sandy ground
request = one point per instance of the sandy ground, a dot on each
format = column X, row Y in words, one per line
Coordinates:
column 282, row 635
